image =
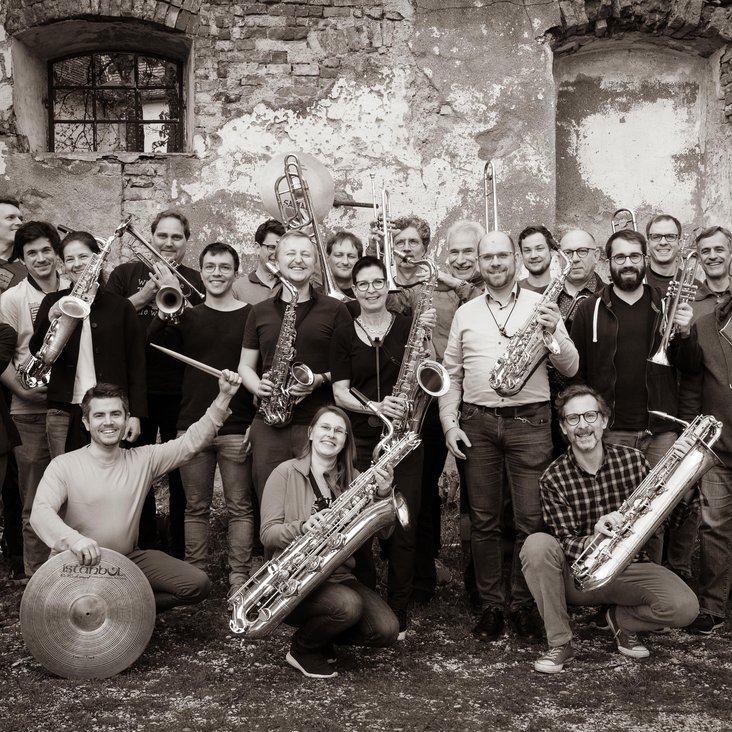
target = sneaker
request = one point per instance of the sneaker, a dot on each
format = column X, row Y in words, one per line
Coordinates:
column 444, row 576
column 403, row 619
column 628, row 643
column 523, row 622
column 705, row 624
column 490, row 626
column 311, row 664
column 552, row 662
column 598, row 619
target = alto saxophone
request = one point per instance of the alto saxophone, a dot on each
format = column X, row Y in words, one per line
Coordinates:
column 650, row 504
column 528, row 348
column 420, row 378
column 36, row 370
column 356, row 515
column 276, row 409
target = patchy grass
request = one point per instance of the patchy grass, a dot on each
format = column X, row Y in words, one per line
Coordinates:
column 196, row 676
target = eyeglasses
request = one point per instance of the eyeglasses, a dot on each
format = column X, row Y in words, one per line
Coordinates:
column 582, row 252
column 223, row 268
column 340, row 431
column 635, row 258
column 573, row 419
column 363, row 285
column 668, row 237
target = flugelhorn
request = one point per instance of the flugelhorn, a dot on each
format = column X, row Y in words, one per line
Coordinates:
column 680, row 290
column 623, row 219
column 299, row 197
column 489, row 190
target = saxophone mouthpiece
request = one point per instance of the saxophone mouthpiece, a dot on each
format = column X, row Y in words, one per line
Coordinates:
column 669, row 417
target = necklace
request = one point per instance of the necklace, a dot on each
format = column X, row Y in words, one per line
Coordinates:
column 378, row 330
column 502, row 328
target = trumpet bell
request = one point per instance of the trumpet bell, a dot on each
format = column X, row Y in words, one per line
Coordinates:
column 169, row 300
column 317, row 177
column 74, row 307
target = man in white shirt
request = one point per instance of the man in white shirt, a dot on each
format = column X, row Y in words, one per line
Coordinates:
column 491, row 432
column 36, row 246
column 102, row 487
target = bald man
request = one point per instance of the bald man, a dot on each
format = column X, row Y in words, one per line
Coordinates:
column 583, row 280
column 492, row 433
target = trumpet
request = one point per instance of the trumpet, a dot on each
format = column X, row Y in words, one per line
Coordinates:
column 489, row 187
column 623, row 219
column 170, row 300
column 680, row 290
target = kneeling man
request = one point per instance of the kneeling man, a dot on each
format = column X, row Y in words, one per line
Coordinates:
column 100, row 490
column 580, row 495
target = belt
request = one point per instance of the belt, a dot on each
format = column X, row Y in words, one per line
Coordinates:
column 519, row 410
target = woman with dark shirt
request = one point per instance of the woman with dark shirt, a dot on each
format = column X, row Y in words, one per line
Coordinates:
column 367, row 355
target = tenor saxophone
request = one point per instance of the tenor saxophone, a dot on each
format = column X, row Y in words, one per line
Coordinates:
column 420, row 378
column 36, row 370
column 281, row 584
column 285, row 372
column 530, row 346
column 605, row 557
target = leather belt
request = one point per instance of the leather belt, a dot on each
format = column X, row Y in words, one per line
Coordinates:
column 520, row 410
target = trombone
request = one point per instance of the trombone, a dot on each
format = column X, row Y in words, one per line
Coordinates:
column 489, row 190
column 623, row 219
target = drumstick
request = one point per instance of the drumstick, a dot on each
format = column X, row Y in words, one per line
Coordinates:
column 190, row 361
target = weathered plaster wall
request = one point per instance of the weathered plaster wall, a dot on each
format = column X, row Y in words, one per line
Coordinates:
column 419, row 92
column 629, row 134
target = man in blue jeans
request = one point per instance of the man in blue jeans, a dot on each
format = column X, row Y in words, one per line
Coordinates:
column 499, row 432
column 581, row 493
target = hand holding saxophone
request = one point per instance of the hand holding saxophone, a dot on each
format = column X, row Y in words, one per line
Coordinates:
column 682, row 319
column 428, row 319
column 609, row 523
column 317, row 521
column 266, row 387
column 548, row 316
column 394, row 407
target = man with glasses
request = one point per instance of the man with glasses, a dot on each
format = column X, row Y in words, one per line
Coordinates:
column 492, row 432
column 170, row 233
column 583, row 280
column 260, row 283
column 212, row 333
column 581, row 493
column 616, row 332
column 664, row 242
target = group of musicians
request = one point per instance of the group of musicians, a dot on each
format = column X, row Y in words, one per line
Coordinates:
column 564, row 451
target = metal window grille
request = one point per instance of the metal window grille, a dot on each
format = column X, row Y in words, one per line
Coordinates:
column 115, row 102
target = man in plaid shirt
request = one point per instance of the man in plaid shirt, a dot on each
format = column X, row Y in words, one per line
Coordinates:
column 580, row 495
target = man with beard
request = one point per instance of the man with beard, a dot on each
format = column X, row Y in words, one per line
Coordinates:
column 492, row 433
column 581, row 493
column 536, row 245
column 615, row 333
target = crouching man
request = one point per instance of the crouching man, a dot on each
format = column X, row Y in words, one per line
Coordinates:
column 102, row 488
column 580, row 495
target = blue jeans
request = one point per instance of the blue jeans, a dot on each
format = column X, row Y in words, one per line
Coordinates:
column 680, row 539
column 647, row 595
column 715, row 534
column 523, row 445
column 236, row 479
column 32, row 457
column 346, row 613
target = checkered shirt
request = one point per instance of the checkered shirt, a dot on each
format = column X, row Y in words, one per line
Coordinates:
column 573, row 500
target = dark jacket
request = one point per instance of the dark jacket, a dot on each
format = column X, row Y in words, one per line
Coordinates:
column 119, row 350
column 595, row 333
column 709, row 391
column 9, row 437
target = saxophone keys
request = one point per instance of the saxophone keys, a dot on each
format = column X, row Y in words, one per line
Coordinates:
column 337, row 541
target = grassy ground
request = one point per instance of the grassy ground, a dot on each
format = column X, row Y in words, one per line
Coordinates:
column 197, row 676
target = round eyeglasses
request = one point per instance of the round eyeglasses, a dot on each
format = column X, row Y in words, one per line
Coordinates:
column 573, row 419
column 363, row 286
column 635, row 258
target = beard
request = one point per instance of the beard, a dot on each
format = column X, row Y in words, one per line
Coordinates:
column 622, row 280
column 538, row 269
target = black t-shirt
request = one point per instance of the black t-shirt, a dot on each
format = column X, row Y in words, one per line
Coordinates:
column 353, row 360
column 213, row 337
column 635, row 335
column 164, row 376
column 316, row 320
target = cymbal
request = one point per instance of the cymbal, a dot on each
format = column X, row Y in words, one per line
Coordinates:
column 85, row 622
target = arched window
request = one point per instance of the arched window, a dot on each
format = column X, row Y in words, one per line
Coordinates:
column 116, row 101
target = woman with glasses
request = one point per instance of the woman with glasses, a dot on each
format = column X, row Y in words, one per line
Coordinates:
column 367, row 355
column 296, row 500
column 108, row 345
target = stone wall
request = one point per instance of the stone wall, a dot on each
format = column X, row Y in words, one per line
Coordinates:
column 419, row 94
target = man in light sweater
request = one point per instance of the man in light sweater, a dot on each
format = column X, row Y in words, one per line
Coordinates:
column 103, row 487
